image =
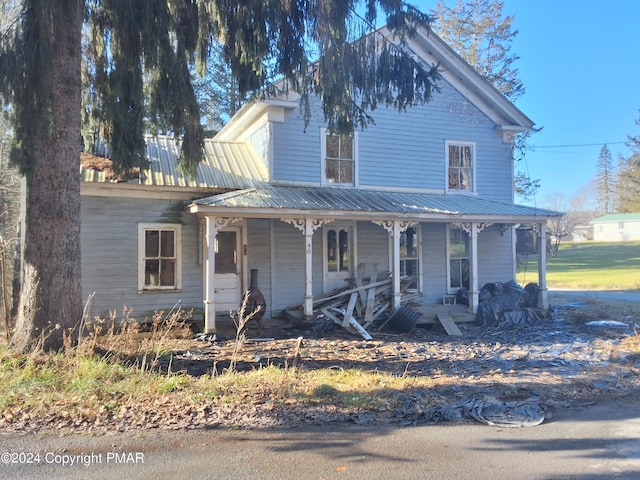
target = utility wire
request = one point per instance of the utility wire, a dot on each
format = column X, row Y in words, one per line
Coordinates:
column 533, row 147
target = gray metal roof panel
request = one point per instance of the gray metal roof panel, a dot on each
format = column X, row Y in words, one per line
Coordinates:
column 226, row 165
column 371, row 201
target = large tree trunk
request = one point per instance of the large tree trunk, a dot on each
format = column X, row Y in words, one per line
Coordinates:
column 51, row 296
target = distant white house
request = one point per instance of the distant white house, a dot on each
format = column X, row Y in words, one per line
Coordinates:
column 617, row 227
column 582, row 233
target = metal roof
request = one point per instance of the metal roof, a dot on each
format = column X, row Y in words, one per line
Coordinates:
column 226, row 165
column 617, row 217
column 336, row 201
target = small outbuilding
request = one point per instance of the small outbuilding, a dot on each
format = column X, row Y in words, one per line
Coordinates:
column 617, row 227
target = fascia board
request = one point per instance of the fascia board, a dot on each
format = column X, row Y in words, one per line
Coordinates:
column 454, row 69
column 278, row 213
column 126, row 190
column 250, row 114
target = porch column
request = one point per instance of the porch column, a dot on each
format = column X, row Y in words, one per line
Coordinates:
column 543, row 299
column 395, row 269
column 473, row 229
column 307, row 226
column 395, row 229
column 211, row 231
column 474, row 294
column 308, row 268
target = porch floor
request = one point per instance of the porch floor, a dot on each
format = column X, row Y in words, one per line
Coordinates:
column 459, row 313
column 274, row 326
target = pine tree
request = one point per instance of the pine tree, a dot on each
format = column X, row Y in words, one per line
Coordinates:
column 629, row 185
column 605, row 181
column 141, row 50
column 628, row 177
column 41, row 77
column 217, row 91
column 479, row 32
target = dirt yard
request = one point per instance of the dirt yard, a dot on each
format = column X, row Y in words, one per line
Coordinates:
column 585, row 352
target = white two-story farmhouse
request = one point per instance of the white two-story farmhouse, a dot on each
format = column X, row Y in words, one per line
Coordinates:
column 426, row 195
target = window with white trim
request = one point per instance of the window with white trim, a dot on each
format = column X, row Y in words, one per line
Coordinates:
column 458, row 251
column 338, row 250
column 159, row 247
column 460, row 166
column 339, row 154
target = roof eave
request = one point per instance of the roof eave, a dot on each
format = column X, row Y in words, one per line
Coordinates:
column 463, row 72
column 453, row 217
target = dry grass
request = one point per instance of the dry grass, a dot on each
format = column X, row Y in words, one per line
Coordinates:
column 587, row 266
column 132, row 343
column 595, row 310
column 120, row 377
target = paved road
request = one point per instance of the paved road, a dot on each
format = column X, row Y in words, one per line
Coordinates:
column 597, row 443
column 622, row 295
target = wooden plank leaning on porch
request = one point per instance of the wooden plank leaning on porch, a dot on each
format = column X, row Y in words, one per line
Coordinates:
column 353, row 326
column 449, row 325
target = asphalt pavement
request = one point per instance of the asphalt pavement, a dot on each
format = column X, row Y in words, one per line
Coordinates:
column 598, row 442
column 620, row 295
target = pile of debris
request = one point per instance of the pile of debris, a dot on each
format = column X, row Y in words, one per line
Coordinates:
column 367, row 300
column 509, row 304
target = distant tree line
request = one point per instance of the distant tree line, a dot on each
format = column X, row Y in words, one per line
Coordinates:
column 614, row 189
column 618, row 187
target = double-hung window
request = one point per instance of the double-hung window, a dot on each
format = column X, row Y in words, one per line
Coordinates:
column 339, row 158
column 159, row 256
column 460, row 166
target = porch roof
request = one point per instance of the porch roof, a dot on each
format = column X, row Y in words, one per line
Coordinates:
column 278, row 201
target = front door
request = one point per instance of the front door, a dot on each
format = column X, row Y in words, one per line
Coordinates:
column 228, row 276
column 338, row 254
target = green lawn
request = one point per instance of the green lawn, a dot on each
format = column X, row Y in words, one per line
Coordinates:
column 588, row 265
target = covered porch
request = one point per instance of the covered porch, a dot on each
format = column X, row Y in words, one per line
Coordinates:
column 309, row 210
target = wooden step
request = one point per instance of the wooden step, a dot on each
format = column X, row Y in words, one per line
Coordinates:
column 448, row 324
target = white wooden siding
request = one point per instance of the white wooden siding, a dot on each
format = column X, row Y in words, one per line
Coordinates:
column 434, row 261
column 258, row 254
column 260, row 140
column 296, row 151
column 288, row 266
column 373, row 245
column 402, row 150
column 495, row 255
column 611, row 231
column 109, row 243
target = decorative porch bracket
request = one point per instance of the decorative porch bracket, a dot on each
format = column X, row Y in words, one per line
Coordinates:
column 212, row 226
column 473, row 229
column 395, row 228
column 308, row 226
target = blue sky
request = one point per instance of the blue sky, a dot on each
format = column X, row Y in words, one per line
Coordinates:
column 580, row 65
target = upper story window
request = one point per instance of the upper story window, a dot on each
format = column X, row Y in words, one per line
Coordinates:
column 159, row 256
column 339, row 154
column 460, row 166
